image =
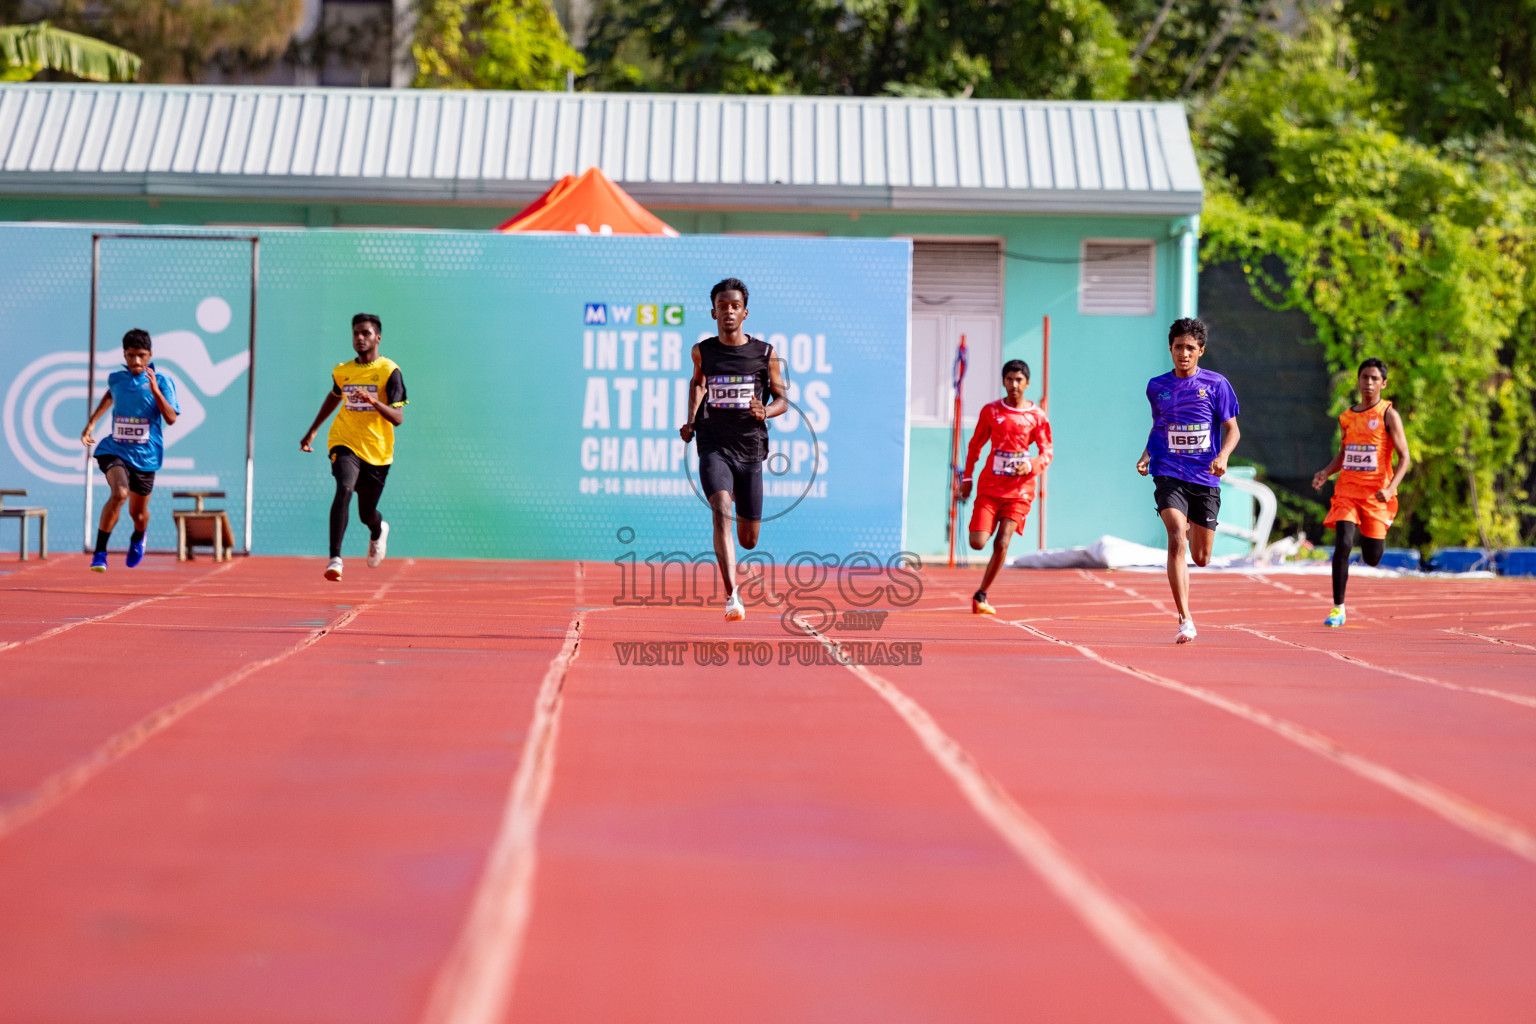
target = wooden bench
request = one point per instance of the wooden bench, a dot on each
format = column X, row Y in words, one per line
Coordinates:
column 199, row 525
column 22, row 513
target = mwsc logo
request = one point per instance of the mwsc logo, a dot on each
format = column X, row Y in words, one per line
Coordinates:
column 641, row 315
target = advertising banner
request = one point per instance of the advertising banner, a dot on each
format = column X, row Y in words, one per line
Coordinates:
column 546, row 378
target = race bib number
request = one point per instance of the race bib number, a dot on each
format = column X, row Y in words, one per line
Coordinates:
column 729, row 392
column 1010, row 463
column 1189, row 438
column 130, row 429
column 1361, row 458
column 354, row 395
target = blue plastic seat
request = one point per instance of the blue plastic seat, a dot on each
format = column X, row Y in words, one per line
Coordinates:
column 1516, row 562
column 1458, row 560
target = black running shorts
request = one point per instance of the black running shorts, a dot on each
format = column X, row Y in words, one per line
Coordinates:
column 1199, row 503
column 719, row 472
column 139, row 482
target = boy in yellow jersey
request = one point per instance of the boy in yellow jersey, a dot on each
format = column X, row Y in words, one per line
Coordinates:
column 371, row 392
column 1365, row 498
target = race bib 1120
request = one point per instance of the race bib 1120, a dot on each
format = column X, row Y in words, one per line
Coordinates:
column 1189, row 438
column 1360, row 458
column 130, row 429
column 729, row 391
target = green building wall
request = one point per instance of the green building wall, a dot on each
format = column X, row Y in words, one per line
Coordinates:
column 1099, row 365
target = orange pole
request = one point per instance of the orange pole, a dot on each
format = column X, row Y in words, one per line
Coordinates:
column 954, row 471
column 1045, row 407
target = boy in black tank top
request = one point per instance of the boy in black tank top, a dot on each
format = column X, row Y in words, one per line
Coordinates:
column 733, row 376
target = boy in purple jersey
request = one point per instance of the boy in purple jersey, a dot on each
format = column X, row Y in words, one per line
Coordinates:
column 1194, row 429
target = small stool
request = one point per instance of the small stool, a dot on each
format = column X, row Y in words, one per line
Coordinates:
column 200, row 525
column 22, row 513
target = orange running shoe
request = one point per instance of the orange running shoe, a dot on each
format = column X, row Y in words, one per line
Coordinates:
column 979, row 604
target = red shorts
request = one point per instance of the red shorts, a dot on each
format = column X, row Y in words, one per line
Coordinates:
column 1371, row 516
column 991, row 508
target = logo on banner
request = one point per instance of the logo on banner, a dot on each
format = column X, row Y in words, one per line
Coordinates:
column 52, row 451
column 641, row 315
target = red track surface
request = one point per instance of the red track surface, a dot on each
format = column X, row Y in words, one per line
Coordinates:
column 433, row 793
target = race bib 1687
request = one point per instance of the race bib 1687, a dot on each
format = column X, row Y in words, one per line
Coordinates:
column 1187, row 438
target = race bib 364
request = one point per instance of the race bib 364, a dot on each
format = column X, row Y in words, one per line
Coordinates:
column 1361, row 458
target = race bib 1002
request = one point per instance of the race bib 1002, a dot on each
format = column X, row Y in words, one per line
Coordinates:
column 1188, row 438
column 1361, row 458
column 353, row 393
column 1010, row 463
column 130, row 429
column 729, row 392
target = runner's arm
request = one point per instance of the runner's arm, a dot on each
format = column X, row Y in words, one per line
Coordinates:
column 1229, row 438
column 695, row 396
column 326, row 408
column 393, row 406
column 167, row 410
column 1404, row 460
column 777, row 387
column 1334, row 465
column 979, row 437
column 90, row 424
column 1043, row 446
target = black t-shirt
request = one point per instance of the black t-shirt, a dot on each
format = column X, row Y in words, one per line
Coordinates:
column 733, row 376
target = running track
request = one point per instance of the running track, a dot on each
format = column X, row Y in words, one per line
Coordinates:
column 433, row 794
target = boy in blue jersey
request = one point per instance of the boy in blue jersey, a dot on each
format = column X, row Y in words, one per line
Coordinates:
column 140, row 398
column 1194, row 429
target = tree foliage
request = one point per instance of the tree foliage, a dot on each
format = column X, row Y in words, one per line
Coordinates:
column 178, row 40
column 492, row 44
column 1423, row 256
column 1039, row 48
column 26, row 50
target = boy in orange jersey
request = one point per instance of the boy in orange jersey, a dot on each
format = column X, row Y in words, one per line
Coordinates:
column 1365, row 498
column 1007, row 487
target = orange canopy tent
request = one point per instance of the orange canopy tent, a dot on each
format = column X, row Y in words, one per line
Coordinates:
column 588, row 205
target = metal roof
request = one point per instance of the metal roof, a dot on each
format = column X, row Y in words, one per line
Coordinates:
column 332, row 145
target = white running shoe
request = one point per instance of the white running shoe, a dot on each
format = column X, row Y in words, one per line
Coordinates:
column 333, row 570
column 376, row 547
column 1186, row 631
column 735, row 611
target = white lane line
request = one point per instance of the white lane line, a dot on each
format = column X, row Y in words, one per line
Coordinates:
column 1491, row 639
column 1159, row 605
column 475, row 983
column 64, row 783
column 1513, row 698
column 1459, row 811
column 1191, row 991
column 114, row 613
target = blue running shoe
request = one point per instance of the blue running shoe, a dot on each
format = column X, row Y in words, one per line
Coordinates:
column 1335, row 617
column 99, row 562
column 135, row 553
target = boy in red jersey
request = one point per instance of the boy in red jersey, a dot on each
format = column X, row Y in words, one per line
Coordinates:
column 1007, row 487
column 1365, row 498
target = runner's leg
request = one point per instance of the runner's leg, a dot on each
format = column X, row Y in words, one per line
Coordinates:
column 747, row 482
column 1343, row 544
column 345, row 467
column 1177, row 526
column 370, row 486
column 117, row 479
column 725, row 551
column 1005, row 530
column 1372, row 548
